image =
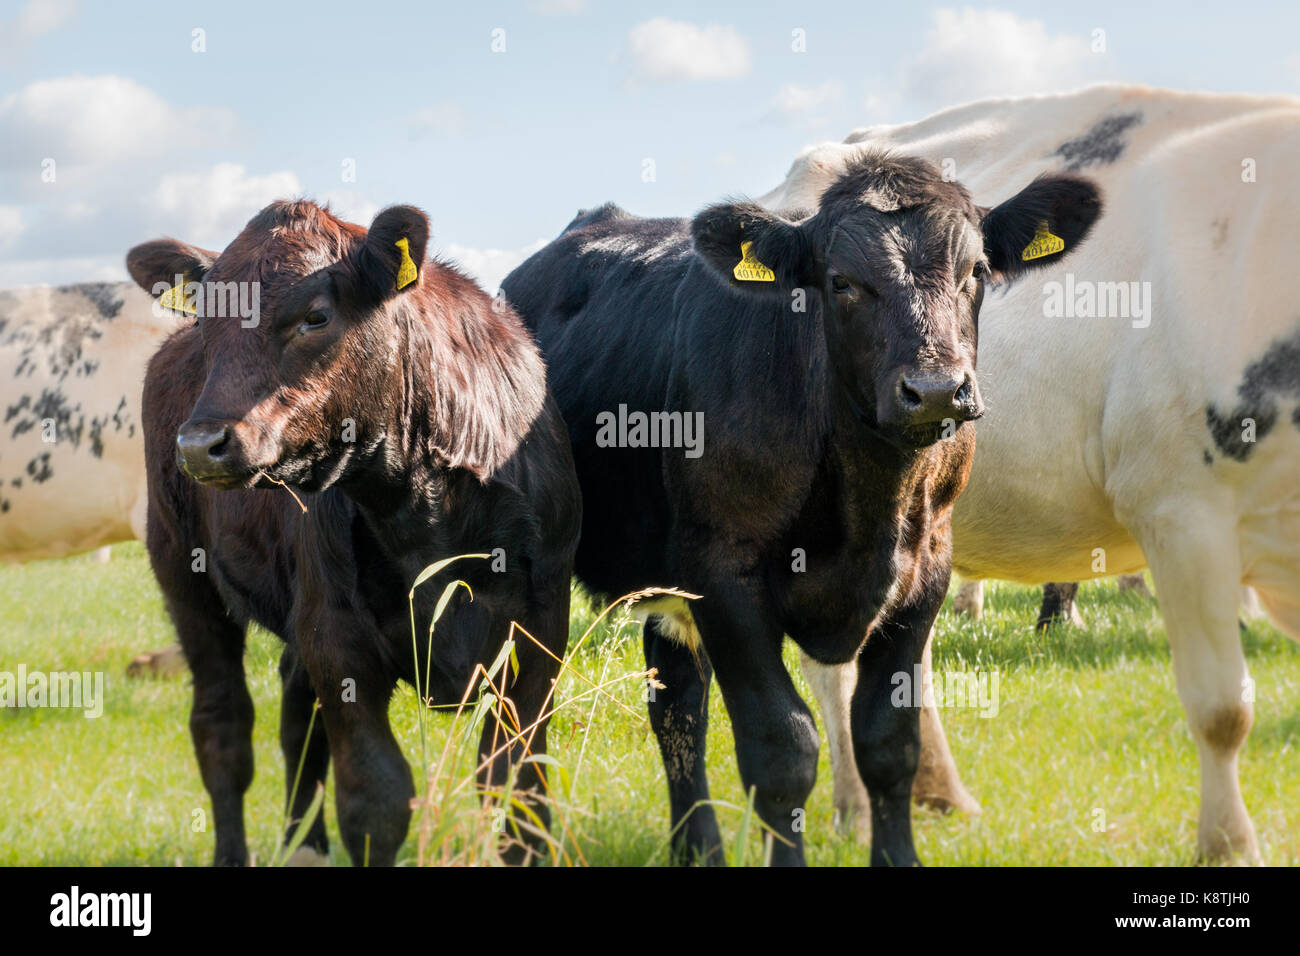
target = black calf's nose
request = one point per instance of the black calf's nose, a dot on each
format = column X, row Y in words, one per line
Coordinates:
column 926, row 398
column 201, row 446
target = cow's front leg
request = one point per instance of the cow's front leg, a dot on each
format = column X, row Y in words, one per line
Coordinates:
column 303, row 743
column 221, row 719
column 937, row 783
column 510, row 735
column 886, row 733
column 776, row 738
column 372, row 780
column 1195, row 562
column 679, row 715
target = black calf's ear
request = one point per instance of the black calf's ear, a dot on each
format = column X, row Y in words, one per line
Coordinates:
column 160, row 266
column 1040, row 224
column 392, row 258
column 751, row 248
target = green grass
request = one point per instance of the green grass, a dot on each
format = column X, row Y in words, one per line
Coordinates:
column 1088, row 721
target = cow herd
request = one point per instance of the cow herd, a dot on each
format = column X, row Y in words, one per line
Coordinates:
column 379, row 413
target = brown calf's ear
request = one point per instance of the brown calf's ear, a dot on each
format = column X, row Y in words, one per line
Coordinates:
column 163, row 263
column 392, row 258
column 1040, row 224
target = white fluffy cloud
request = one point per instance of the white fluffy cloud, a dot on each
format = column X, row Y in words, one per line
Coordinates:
column 488, row 266
column 561, row 7
column 441, row 119
column 970, row 54
column 803, row 105
column 11, row 225
column 209, row 208
column 663, row 49
column 32, row 22
column 82, row 120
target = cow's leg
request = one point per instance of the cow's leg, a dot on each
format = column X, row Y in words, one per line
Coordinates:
column 776, row 737
column 679, row 716
column 887, row 738
column 832, row 685
column 530, row 693
column 1194, row 560
column 221, row 717
column 1135, row 583
column 372, row 780
column 168, row 662
column 970, row 599
column 311, row 752
column 937, row 783
column 1250, row 604
column 1059, row 606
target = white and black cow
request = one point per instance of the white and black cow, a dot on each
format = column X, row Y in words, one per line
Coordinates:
column 72, row 459
column 1166, row 437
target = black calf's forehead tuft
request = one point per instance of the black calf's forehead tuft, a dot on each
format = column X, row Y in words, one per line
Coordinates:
column 890, row 183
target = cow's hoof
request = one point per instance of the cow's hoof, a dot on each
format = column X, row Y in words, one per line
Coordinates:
column 307, row 856
column 1217, row 847
column 952, row 800
column 169, row 662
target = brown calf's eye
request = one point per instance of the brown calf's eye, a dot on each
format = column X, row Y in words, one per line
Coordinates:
column 314, row 320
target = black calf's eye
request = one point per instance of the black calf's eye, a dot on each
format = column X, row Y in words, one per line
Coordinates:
column 314, row 320
column 840, row 284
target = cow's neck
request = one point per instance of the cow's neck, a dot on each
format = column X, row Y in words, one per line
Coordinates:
column 877, row 476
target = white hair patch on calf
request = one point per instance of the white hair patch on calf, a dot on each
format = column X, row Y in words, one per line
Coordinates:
column 676, row 622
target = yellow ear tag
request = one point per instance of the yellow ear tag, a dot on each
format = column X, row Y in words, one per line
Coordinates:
column 1043, row 243
column 749, row 269
column 174, row 299
column 406, row 272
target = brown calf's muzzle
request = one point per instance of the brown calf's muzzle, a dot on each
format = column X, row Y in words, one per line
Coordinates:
column 221, row 453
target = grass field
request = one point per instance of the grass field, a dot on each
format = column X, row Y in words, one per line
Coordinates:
column 1088, row 729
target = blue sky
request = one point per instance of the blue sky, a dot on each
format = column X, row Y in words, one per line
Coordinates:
column 501, row 146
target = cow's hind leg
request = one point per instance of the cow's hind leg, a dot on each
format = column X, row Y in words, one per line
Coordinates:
column 937, row 783
column 832, row 685
column 303, row 743
column 1059, row 606
column 969, row 599
column 679, row 716
column 1194, row 560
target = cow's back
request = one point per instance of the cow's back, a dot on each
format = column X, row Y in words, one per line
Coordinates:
column 74, row 358
column 602, row 296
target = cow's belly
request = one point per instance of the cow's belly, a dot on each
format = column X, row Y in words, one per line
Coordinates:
column 1033, row 542
column 67, row 512
column 1038, row 506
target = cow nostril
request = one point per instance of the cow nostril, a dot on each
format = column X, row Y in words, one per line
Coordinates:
column 217, row 451
column 909, row 396
column 199, row 443
column 963, row 395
